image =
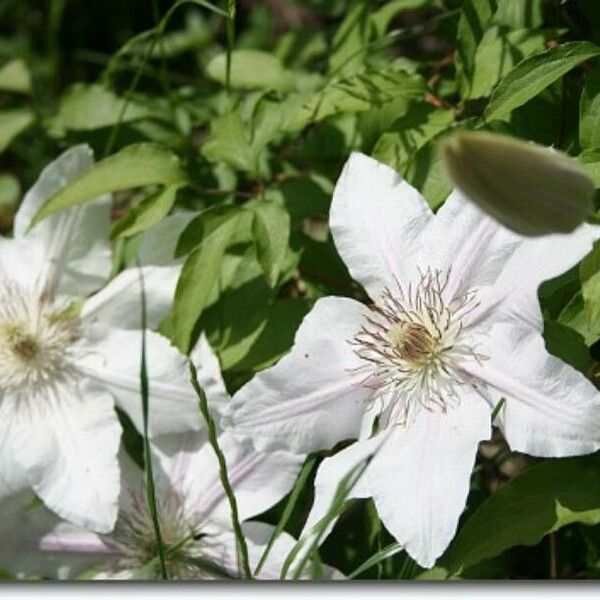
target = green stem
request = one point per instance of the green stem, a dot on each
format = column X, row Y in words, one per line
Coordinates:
column 230, row 40
column 55, row 14
column 162, row 72
column 155, row 34
column 113, row 134
column 212, row 438
column 150, row 491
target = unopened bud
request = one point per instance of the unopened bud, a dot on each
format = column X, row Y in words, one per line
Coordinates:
column 530, row 189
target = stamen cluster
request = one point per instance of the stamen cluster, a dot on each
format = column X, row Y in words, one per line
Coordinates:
column 413, row 344
column 35, row 338
column 187, row 549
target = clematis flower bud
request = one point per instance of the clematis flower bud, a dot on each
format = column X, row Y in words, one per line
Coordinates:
column 530, row 189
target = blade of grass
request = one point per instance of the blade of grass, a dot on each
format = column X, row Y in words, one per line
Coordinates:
column 376, row 559
column 150, row 491
column 407, row 569
column 313, row 538
column 289, row 508
column 497, row 408
column 212, row 438
column 208, row 566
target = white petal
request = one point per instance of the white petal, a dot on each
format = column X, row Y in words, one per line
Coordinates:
column 376, row 219
column 76, row 240
column 471, row 244
column 539, row 259
column 259, row 480
column 534, row 261
column 22, row 262
column 312, row 398
column 551, row 409
column 13, row 477
column 68, row 444
column 112, row 363
column 35, row 542
column 419, row 478
column 119, row 303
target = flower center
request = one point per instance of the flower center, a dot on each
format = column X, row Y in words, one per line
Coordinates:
column 412, row 345
column 35, row 339
column 134, row 539
column 412, row 341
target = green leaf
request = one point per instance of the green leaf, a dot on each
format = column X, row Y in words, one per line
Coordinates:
column 499, row 51
column 410, row 133
column 251, row 69
column 13, row 122
column 535, row 74
column 568, row 345
column 271, row 232
column 575, row 317
column 474, row 18
column 229, row 142
column 133, row 166
column 350, row 39
column 358, row 93
column 589, row 110
column 589, row 161
column 382, row 17
column 547, row 497
column 203, row 225
column 10, row 191
column 255, row 342
column 146, row 214
column 198, row 277
column 15, row 77
column 88, row 107
column 517, row 14
column 303, row 197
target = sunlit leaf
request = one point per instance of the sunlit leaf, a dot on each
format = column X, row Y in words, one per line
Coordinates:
column 251, row 69
column 271, row 230
column 535, row 74
column 87, row 107
column 15, row 77
column 200, row 274
column 146, row 214
column 13, row 122
column 134, row 166
column 358, row 93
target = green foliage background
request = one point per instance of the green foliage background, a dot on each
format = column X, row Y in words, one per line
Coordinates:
column 232, row 121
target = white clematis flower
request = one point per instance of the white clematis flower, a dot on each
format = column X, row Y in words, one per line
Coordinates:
column 194, row 516
column 454, row 327
column 66, row 360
